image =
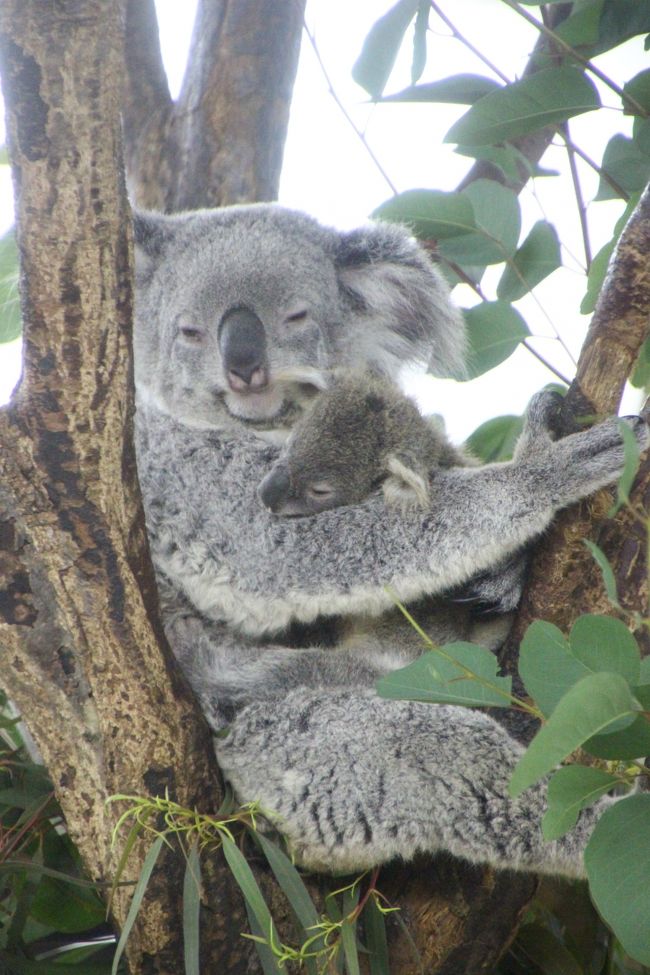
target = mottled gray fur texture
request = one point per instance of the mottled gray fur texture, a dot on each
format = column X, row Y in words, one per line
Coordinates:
column 362, row 431
column 257, row 608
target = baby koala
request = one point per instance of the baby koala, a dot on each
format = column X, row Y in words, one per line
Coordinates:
column 359, row 434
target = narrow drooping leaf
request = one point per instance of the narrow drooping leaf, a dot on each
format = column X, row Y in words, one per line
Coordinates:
column 609, row 580
column 459, row 89
column 375, row 63
column 600, row 263
column 640, row 377
column 420, row 41
column 551, row 956
column 570, row 789
column 538, row 256
column 605, row 643
column 376, row 940
column 249, row 888
column 432, row 214
column 587, row 709
column 546, row 665
column 617, row 859
column 138, row 894
column 436, row 678
column 495, row 439
column 191, row 912
column 349, row 932
column 548, row 97
column 495, row 329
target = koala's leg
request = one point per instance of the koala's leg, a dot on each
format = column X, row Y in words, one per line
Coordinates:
column 352, row 780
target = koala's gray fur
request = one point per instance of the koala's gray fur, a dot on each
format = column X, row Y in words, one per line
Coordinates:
column 236, row 309
column 360, row 432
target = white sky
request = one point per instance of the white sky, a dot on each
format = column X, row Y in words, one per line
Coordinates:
column 329, row 173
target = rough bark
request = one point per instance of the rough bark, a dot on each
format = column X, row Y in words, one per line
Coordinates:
column 565, row 581
column 80, row 639
column 221, row 142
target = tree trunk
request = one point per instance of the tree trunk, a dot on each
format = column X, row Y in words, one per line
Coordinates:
column 84, row 656
column 222, row 141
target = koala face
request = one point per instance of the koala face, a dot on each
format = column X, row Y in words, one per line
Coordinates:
column 233, row 321
column 240, row 311
column 334, row 456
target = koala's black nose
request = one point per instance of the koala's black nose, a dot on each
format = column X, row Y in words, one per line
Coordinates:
column 275, row 488
column 242, row 342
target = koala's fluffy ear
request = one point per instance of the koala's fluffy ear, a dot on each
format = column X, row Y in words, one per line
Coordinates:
column 405, row 487
column 399, row 306
column 151, row 232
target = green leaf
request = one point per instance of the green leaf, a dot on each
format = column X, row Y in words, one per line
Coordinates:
column 10, row 320
column 377, row 943
column 495, row 439
column 582, row 27
column 440, row 676
column 629, row 743
column 570, row 789
column 617, row 859
column 609, row 579
column 546, row 665
column 375, row 63
column 600, row 263
column 640, row 378
column 432, row 214
column 140, row 889
column 497, row 216
column 494, row 330
column 641, row 134
column 420, row 41
column 192, row 911
column 349, row 931
column 632, row 454
column 459, row 89
column 548, row 97
column 538, row 256
column 551, row 956
column 605, row 643
column 249, row 888
column 588, row 708
column 639, row 89
column 627, row 166
column 620, row 20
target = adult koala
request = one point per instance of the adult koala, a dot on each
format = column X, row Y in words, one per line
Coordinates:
column 235, row 309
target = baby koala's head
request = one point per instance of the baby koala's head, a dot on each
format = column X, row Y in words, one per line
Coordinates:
column 356, row 435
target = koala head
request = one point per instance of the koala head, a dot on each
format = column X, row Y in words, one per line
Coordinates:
column 239, row 311
column 360, row 433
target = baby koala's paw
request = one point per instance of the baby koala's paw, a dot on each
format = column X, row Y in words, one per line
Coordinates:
column 405, row 488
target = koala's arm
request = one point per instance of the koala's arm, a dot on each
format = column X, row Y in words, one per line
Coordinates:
column 352, row 781
column 237, row 562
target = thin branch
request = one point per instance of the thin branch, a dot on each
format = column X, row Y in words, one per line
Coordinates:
column 346, row 114
column 628, row 100
column 593, row 165
column 468, row 44
column 549, row 366
column 577, row 189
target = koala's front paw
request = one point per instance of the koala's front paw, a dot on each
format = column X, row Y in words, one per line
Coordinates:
column 584, row 462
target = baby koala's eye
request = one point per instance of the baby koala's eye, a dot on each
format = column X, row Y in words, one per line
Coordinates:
column 320, row 491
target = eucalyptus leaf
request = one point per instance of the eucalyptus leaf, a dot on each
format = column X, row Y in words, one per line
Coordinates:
column 495, row 439
column 547, row 666
column 548, row 97
column 10, row 318
column 600, row 263
column 432, row 214
column 639, row 89
column 459, row 89
column 587, row 709
column 640, row 377
column 150, row 861
column 571, row 789
column 626, row 164
column 605, row 643
column 629, row 743
column 374, row 925
column 609, row 579
column 617, row 860
column 192, row 912
column 494, row 330
column 538, row 256
column 381, row 46
column 441, row 677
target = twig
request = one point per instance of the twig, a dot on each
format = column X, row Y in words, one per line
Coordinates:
column 577, row 189
column 345, row 112
column 463, row 40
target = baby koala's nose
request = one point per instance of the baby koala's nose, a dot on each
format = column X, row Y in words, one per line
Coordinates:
column 275, row 488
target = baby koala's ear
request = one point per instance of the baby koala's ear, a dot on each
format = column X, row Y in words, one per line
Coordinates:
column 406, row 486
